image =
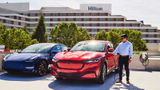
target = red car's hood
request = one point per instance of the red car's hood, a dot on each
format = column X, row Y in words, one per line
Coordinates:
column 79, row 55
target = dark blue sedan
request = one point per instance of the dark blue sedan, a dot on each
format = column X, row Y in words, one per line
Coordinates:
column 33, row 59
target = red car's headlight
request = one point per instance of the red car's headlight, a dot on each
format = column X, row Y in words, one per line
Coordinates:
column 54, row 59
column 93, row 60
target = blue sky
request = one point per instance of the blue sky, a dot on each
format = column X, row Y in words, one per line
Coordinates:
column 147, row 10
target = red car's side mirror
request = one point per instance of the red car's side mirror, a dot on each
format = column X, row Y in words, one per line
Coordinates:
column 69, row 49
column 110, row 50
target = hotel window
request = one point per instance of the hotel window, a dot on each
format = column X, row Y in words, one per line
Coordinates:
column 151, row 35
column 110, row 24
column 118, row 25
column 135, row 25
column 19, row 23
column 70, row 14
column 51, row 19
column 36, row 19
column 118, row 19
column 94, row 14
column 150, row 41
column 94, row 19
column 19, row 18
column 155, row 30
column 94, row 24
column 94, row 30
column 55, row 14
column 51, row 14
column 110, row 19
column 158, row 41
column 151, row 30
column 143, row 30
column 114, row 19
column 55, row 19
column 78, row 19
column 155, row 41
column 86, row 14
column 47, row 14
column 28, row 14
column 15, row 17
column 155, row 35
column 63, row 14
column 85, row 24
column 36, row 14
column 48, row 24
column 102, row 19
column 78, row 14
column 70, row 19
column 126, row 25
column 51, row 25
column 159, row 35
column 28, row 25
column 103, row 14
column 86, row 19
column 12, row 22
column 79, row 24
column 102, row 24
column 62, row 19
column 143, row 35
column 90, row 30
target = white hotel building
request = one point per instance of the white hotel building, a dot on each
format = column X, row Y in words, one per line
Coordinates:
column 92, row 17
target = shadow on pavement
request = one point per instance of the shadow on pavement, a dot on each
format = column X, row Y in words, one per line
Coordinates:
column 124, row 86
column 22, row 77
column 83, row 84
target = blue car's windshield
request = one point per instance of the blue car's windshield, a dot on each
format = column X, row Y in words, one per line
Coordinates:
column 89, row 46
column 38, row 48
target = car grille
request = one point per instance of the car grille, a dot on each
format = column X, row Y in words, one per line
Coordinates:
column 13, row 65
column 68, row 64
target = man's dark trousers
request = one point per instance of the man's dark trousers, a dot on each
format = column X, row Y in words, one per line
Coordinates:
column 123, row 61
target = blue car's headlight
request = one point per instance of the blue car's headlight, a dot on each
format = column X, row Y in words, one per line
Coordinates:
column 54, row 59
column 31, row 59
column 93, row 60
column 6, row 57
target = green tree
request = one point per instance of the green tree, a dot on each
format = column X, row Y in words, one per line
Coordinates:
column 40, row 31
column 17, row 39
column 102, row 35
column 114, row 37
column 25, row 29
column 68, row 34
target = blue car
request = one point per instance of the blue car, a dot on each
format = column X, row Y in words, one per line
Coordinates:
column 33, row 59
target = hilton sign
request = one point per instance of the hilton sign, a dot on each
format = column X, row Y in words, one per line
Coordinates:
column 94, row 8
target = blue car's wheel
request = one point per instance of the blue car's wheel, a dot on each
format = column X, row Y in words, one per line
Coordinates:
column 42, row 68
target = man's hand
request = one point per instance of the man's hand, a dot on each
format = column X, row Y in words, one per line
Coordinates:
column 130, row 59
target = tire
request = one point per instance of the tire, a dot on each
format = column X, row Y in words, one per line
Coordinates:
column 103, row 74
column 42, row 68
column 116, row 69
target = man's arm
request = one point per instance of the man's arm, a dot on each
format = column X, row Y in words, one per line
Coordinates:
column 130, row 53
column 116, row 50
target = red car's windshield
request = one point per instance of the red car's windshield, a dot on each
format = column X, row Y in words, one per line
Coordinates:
column 89, row 46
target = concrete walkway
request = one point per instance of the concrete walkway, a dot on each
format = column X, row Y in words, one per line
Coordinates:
column 140, row 80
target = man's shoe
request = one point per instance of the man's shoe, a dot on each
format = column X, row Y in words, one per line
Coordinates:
column 127, row 82
column 119, row 81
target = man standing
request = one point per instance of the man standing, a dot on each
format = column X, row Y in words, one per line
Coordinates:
column 125, row 50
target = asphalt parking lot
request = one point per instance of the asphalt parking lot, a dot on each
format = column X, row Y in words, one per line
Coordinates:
column 140, row 80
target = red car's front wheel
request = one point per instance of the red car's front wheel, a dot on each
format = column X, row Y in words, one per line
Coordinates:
column 103, row 74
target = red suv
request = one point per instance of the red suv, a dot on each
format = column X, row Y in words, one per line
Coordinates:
column 92, row 59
